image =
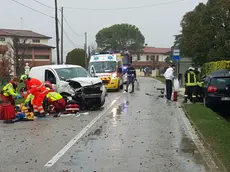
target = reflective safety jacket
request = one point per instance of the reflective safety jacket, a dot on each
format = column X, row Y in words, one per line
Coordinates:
column 29, row 98
column 8, row 90
column 35, row 86
column 54, row 96
column 190, row 78
column 200, row 84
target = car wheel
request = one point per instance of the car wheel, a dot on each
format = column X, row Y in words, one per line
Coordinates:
column 206, row 102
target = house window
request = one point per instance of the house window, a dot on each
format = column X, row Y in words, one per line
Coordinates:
column 153, row 57
column 157, row 58
column 2, row 39
column 26, row 56
column 36, row 40
column 147, row 57
column 42, row 57
column 138, row 57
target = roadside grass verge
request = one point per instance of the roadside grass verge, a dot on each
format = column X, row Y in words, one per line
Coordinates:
column 214, row 130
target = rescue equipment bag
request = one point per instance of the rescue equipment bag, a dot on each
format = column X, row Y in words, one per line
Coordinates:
column 7, row 112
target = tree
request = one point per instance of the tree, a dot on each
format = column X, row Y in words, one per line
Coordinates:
column 5, row 66
column 18, row 48
column 120, row 37
column 206, row 32
column 76, row 57
column 92, row 49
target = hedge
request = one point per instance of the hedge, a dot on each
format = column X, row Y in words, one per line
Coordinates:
column 213, row 66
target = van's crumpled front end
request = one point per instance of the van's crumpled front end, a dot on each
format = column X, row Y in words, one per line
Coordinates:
column 89, row 92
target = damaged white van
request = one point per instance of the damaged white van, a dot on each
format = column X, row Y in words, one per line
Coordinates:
column 73, row 81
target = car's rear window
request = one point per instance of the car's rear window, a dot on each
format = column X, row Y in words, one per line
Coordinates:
column 220, row 82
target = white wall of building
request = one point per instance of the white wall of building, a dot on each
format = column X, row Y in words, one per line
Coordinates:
column 148, row 57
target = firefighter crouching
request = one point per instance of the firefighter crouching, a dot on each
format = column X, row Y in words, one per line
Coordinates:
column 38, row 90
column 190, row 85
column 9, row 91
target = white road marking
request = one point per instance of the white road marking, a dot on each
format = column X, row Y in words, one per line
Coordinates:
column 77, row 137
column 203, row 151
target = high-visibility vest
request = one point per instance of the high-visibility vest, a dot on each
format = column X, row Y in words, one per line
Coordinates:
column 8, row 90
column 54, row 96
column 29, row 98
column 191, row 79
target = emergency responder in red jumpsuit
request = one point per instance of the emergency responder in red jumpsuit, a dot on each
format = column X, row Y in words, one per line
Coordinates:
column 9, row 91
column 39, row 91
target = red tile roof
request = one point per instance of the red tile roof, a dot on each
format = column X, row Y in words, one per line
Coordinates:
column 22, row 33
column 155, row 50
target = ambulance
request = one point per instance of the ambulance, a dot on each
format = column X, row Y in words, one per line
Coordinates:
column 109, row 68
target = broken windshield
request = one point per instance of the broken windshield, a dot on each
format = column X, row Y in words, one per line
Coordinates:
column 68, row 73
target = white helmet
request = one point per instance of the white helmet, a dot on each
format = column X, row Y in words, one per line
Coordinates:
column 191, row 68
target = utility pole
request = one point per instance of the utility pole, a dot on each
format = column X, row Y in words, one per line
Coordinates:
column 62, row 17
column 89, row 51
column 57, row 34
column 85, row 50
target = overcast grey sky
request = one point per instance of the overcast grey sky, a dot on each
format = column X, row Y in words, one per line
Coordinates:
column 158, row 23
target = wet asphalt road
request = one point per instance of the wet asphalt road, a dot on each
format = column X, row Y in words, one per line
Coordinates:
column 135, row 132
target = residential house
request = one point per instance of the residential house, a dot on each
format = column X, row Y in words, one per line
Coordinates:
column 151, row 57
column 32, row 46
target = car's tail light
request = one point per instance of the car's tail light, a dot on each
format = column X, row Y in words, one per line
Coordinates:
column 212, row 89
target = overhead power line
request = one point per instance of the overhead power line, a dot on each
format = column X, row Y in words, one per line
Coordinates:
column 44, row 4
column 124, row 8
column 71, row 27
column 67, row 36
column 69, row 39
column 33, row 9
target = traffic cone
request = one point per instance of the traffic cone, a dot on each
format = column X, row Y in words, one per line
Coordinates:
column 175, row 96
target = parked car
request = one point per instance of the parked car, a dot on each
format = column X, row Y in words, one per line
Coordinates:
column 217, row 88
column 73, row 81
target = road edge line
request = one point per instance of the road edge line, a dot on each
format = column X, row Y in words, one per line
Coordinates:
column 56, row 157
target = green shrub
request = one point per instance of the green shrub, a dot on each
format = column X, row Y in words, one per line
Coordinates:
column 213, row 66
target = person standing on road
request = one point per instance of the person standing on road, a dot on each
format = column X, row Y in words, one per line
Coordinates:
column 190, row 85
column 9, row 91
column 131, row 76
column 169, row 76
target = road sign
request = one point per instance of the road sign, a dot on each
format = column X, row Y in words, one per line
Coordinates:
column 177, row 58
column 176, row 54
